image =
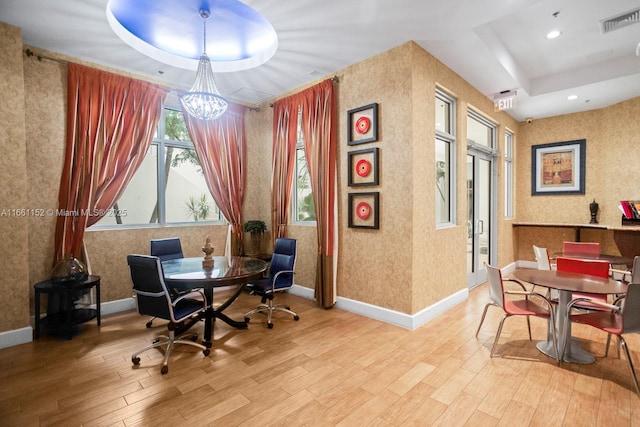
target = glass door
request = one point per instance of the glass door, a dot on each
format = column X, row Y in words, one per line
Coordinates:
column 480, row 215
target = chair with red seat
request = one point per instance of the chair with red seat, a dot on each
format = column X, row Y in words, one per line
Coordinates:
column 542, row 258
column 581, row 248
column 614, row 320
column 599, row 268
column 628, row 276
column 522, row 306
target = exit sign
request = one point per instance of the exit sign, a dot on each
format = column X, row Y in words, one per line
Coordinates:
column 505, row 100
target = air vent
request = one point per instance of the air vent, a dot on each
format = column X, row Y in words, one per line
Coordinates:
column 620, row 21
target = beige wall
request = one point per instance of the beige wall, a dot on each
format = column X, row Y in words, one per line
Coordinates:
column 14, row 297
column 612, row 157
column 400, row 265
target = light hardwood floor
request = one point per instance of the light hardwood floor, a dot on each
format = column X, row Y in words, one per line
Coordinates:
column 330, row 368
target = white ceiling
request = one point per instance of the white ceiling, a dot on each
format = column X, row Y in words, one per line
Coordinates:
column 495, row 45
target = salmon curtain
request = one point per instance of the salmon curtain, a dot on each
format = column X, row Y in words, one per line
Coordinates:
column 111, row 120
column 320, row 151
column 318, row 123
column 283, row 163
column 221, row 148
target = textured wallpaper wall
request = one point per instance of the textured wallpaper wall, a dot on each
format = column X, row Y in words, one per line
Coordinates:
column 612, row 156
column 14, row 218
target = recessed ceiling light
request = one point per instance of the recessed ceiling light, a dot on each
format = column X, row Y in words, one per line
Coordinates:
column 572, row 97
column 553, row 34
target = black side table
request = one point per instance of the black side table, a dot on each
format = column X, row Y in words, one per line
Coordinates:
column 67, row 316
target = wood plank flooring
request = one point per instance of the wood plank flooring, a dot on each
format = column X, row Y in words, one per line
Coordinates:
column 330, row 368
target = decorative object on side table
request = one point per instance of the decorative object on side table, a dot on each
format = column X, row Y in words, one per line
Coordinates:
column 256, row 228
column 593, row 207
column 208, row 252
column 69, row 269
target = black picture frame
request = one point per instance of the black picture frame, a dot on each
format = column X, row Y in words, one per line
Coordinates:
column 558, row 168
column 363, row 167
column 369, row 218
column 362, row 124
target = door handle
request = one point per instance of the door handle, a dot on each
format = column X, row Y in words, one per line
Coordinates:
column 480, row 226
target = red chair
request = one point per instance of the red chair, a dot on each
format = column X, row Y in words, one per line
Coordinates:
column 598, row 268
column 515, row 307
column 614, row 320
column 581, row 248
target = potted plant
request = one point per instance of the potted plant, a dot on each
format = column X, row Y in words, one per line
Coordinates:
column 256, row 228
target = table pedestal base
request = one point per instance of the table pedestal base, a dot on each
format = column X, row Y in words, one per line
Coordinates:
column 574, row 354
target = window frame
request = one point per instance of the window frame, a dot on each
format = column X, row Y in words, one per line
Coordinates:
column 161, row 142
column 449, row 138
column 294, row 185
column 509, row 192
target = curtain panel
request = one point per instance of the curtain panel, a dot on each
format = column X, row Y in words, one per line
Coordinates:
column 320, row 150
column 318, row 127
column 221, row 148
column 111, row 120
column 283, row 163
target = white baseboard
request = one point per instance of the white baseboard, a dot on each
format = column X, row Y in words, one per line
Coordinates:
column 118, row 306
column 407, row 321
column 16, row 337
column 25, row 335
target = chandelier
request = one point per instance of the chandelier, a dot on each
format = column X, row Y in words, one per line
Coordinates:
column 203, row 101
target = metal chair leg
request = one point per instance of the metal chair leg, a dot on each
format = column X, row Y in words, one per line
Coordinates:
column 623, row 343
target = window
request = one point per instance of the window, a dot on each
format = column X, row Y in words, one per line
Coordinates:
column 508, row 174
column 169, row 187
column 480, row 132
column 445, row 156
column 304, row 210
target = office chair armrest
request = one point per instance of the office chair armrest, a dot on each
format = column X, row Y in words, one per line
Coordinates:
column 597, row 303
column 195, row 294
column 275, row 277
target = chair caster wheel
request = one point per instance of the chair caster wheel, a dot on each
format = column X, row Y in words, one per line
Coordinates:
column 149, row 324
column 164, row 370
column 135, row 360
column 270, row 325
column 246, row 319
column 296, row 317
column 206, row 352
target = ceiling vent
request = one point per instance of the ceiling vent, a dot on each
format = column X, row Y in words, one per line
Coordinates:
column 620, row 21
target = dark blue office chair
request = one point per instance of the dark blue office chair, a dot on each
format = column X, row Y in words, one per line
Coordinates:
column 154, row 299
column 165, row 249
column 280, row 279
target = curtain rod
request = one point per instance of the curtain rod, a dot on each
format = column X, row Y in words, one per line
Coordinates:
column 334, row 79
column 39, row 57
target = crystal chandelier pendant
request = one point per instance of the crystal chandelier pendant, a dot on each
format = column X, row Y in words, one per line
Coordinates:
column 203, row 101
